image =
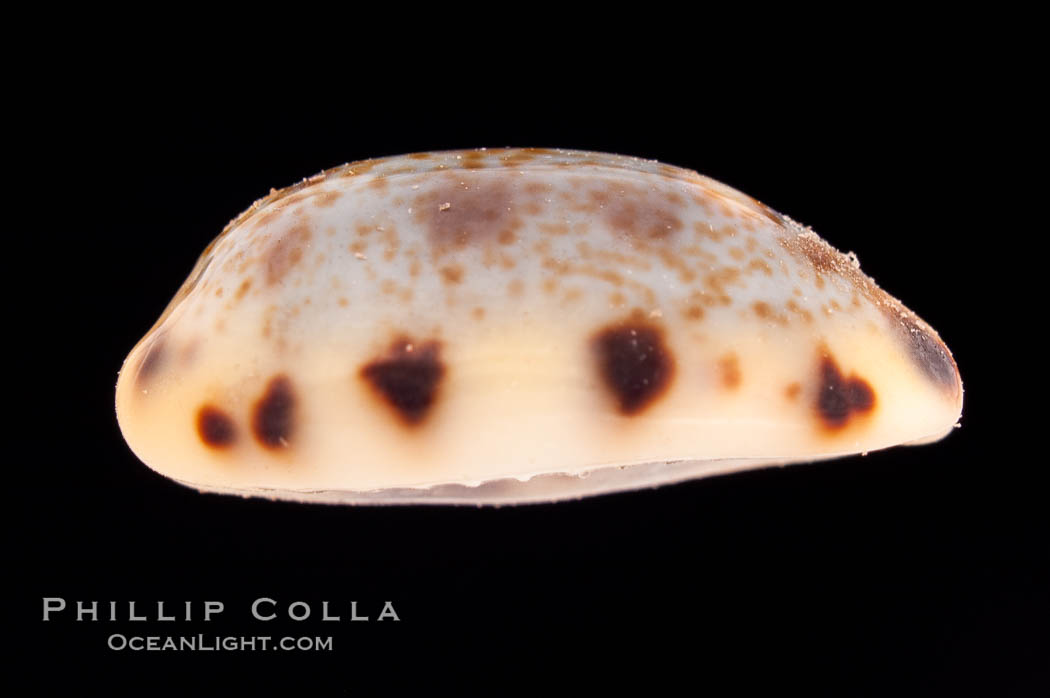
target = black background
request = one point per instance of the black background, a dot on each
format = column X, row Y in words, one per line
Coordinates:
column 911, row 570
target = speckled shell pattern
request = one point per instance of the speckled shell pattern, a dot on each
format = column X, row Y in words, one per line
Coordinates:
column 500, row 326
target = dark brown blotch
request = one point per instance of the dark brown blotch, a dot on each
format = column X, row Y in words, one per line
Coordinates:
column 634, row 363
column 273, row 417
column 840, row 399
column 407, row 378
column 216, row 428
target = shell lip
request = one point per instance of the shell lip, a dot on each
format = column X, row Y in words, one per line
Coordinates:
column 535, row 489
column 539, row 488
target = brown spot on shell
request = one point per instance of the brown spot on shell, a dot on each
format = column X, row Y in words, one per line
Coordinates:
column 452, row 274
column 470, row 209
column 273, row 417
column 190, row 352
column 674, row 261
column 636, row 214
column 407, row 378
column 565, row 269
column 729, row 370
column 473, row 159
column 792, row 390
column 285, row 252
column 633, row 362
column 554, row 228
column 717, row 281
column 327, row 198
column 215, row 427
column 767, row 313
column 760, row 265
column 571, row 295
column 614, row 258
column 800, row 311
column 243, row 289
column 840, row 398
column 268, row 320
column 705, row 231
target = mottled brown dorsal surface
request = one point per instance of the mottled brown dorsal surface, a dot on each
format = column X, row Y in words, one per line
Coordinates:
column 520, row 324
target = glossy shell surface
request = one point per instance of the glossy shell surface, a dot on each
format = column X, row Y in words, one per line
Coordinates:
column 500, row 326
